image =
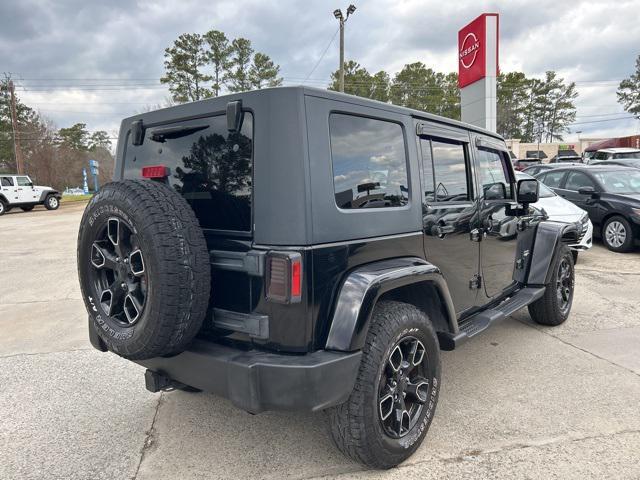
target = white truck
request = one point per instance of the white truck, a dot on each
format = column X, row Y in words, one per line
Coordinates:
column 19, row 191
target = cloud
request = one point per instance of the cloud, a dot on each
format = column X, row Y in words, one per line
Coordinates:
column 40, row 40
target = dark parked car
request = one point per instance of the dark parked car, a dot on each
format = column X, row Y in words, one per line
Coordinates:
column 535, row 170
column 521, row 165
column 535, row 155
column 566, row 156
column 301, row 249
column 611, row 196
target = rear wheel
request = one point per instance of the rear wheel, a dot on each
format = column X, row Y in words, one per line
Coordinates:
column 391, row 407
column 144, row 269
column 3, row 208
column 555, row 305
column 51, row 203
column 27, row 208
column 617, row 234
column 574, row 254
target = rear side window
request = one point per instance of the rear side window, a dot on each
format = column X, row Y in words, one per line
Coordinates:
column 7, row 182
column 369, row 162
column 210, row 167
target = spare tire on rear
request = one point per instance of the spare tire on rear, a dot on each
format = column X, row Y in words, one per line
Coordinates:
column 144, row 269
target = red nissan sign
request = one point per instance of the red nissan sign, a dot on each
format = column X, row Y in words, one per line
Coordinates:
column 472, row 50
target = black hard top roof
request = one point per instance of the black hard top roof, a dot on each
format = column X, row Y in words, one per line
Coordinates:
column 341, row 97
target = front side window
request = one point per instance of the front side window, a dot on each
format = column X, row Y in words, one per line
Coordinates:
column 7, row 182
column 23, row 181
column 369, row 162
column 494, row 179
column 575, row 180
column 553, row 179
column 444, row 171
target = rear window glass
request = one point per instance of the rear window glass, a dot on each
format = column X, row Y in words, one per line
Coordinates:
column 7, row 182
column 369, row 162
column 210, row 167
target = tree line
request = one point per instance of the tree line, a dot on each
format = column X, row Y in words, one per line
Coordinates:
column 528, row 108
column 202, row 66
column 52, row 156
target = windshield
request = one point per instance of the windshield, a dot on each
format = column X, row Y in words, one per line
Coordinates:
column 620, row 181
column 627, row 155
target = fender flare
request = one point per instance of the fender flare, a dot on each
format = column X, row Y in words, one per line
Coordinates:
column 46, row 193
column 363, row 286
column 550, row 236
column 4, row 199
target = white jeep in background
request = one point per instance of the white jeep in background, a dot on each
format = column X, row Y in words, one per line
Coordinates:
column 19, row 191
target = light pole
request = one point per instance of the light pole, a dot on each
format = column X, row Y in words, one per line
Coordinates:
column 342, row 19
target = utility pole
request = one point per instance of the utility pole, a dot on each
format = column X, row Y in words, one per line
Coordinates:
column 342, row 19
column 14, row 124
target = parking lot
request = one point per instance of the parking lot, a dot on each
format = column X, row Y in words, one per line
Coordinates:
column 519, row 401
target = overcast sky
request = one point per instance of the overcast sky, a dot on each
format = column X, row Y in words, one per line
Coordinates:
column 65, row 52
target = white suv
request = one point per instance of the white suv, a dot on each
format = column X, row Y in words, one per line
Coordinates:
column 19, row 191
column 615, row 154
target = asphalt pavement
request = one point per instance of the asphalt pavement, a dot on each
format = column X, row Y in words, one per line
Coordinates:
column 519, row 401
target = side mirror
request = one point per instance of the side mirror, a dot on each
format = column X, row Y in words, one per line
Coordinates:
column 590, row 191
column 235, row 115
column 528, row 190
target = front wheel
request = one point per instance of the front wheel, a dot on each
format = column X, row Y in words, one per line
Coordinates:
column 555, row 305
column 393, row 402
column 51, row 203
column 617, row 235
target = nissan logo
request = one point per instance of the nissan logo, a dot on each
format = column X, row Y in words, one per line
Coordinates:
column 469, row 50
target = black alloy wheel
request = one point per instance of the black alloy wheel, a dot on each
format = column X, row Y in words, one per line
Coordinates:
column 118, row 272
column 564, row 285
column 403, row 387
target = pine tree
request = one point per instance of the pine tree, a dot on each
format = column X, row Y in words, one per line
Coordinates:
column 183, row 64
column 629, row 92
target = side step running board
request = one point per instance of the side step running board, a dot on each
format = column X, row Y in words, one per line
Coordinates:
column 483, row 320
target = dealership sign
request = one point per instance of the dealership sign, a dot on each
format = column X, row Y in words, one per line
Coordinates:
column 476, row 49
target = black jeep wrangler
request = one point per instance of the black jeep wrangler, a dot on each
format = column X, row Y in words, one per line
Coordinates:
column 295, row 248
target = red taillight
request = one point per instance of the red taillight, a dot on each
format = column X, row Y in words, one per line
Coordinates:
column 284, row 277
column 296, row 278
column 155, row 171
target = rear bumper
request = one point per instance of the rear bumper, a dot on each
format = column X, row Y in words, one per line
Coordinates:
column 257, row 381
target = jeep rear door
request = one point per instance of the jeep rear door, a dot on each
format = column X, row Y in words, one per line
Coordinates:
column 449, row 210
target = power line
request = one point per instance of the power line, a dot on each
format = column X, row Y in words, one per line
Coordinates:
column 322, row 56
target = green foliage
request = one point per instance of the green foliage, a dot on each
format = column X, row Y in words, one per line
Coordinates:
column 232, row 66
column 238, row 74
column 183, row 68
column 99, row 139
column 358, row 81
column 263, row 72
column 629, row 92
column 75, row 137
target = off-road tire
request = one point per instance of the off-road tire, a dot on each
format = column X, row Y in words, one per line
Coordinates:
column 550, row 309
column 27, row 209
column 574, row 254
column 627, row 245
column 51, row 202
column 3, row 208
column 356, row 427
column 176, row 266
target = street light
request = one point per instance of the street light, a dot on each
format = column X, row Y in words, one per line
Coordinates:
column 342, row 19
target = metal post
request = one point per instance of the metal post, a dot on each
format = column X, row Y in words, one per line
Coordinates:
column 14, row 124
column 342, row 55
